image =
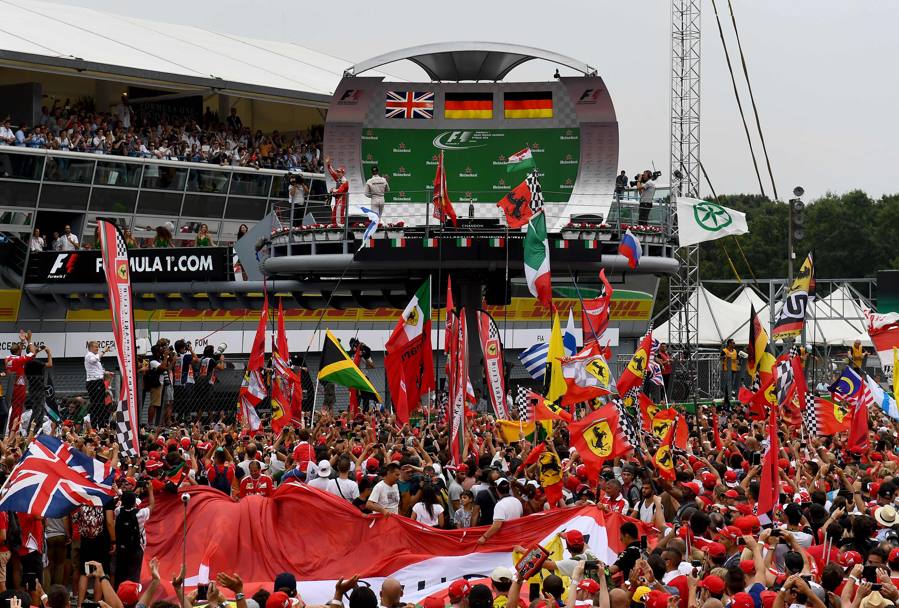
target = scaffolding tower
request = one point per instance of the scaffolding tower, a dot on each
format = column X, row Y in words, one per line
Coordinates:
column 684, row 178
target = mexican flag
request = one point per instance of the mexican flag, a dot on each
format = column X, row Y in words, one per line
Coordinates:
column 523, row 159
column 409, row 359
column 536, row 260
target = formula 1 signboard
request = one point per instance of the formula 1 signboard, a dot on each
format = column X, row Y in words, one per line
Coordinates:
column 147, row 265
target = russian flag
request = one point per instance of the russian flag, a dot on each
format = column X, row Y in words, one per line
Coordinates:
column 630, row 248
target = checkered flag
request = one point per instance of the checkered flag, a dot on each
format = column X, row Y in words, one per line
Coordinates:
column 626, row 422
column 123, row 431
column 785, row 378
column 810, row 416
column 536, row 191
column 522, row 403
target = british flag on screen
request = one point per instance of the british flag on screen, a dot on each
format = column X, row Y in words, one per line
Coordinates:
column 53, row 478
column 409, row 104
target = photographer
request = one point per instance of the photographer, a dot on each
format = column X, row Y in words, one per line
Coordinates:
column 298, row 190
column 131, row 537
column 646, row 186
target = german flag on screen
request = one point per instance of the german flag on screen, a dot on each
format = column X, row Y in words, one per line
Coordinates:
column 536, row 104
column 468, row 105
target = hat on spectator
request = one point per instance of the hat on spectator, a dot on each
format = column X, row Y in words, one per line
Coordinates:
column 708, row 479
column 459, row 589
column 657, row 599
column 204, row 445
column 185, row 443
column 581, row 472
column 501, row 573
column 886, row 516
column 285, row 580
column 357, row 450
column 730, row 478
column 714, row 584
column 747, row 566
column 894, row 557
column 462, row 467
column 396, row 457
column 731, row 533
column 323, row 468
column 851, row 558
column 589, row 585
column 741, row 600
column 640, row 594
column 160, row 441
column 129, row 592
column 768, row 597
column 731, row 494
column 574, row 538
column 154, row 455
column 372, row 464
column 875, row 600
column 715, row 549
column 692, row 486
column 278, row 599
column 744, row 508
column 749, row 524
column 480, row 596
column 153, row 465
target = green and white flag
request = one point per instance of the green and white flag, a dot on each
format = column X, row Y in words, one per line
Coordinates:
column 521, row 160
column 699, row 221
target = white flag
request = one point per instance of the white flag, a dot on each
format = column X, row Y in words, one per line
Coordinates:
column 699, row 221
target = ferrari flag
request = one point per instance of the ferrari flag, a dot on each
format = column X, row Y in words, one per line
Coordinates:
column 598, row 437
column 633, row 374
column 587, row 375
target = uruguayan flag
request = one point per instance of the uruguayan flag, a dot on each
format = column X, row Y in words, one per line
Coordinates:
column 534, row 359
column 374, row 221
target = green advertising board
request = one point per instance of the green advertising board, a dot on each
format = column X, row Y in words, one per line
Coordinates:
column 475, row 161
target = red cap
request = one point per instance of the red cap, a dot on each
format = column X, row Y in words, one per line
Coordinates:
column 730, row 476
column 787, row 489
column 748, row 524
column 457, row 589
column 715, row 549
column 850, row 558
column 571, row 483
column 739, row 600
column 129, row 592
column 894, row 555
column 768, row 598
column 747, row 566
column 396, row 457
column 715, row 584
column 657, row 599
column 204, row 445
column 185, row 443
column 372, row 464
column 589, row 585
column 357, row 450
column 581, row 472
column 692, row 486
column 278, row 599
column 153, row 465
column 876, row 457
column 744, row 508
column 708, row 479
column 433, row 602
column 874, row 488
column 160, row 441
column 731, row 494
column 154, row 455
column 574, row 538
column 731, row 533
column 131, row 481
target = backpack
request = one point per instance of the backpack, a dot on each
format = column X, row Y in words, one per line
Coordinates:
column 127, row 530
column 219, row 479
column 151, row 378
column 13, row 532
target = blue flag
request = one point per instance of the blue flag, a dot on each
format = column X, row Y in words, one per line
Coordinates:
column 848, row 384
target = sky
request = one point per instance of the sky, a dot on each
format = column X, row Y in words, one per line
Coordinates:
column 822, row 71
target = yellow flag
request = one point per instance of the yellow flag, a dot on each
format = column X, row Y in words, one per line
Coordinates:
column 896, row 373
column 555, row 381
column 513, row 430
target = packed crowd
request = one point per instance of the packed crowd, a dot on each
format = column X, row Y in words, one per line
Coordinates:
column 79, row 127
column 832, row 541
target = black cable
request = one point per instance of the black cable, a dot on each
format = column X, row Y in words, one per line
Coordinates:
column 737, row 96
column 755, row 110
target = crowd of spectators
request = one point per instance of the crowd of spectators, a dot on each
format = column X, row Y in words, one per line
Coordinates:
column 79, row 127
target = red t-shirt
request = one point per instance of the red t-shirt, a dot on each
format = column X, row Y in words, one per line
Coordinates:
column 262, row 486
column 303, row 454
column 619, row 505
column 4, row 525
column 816, row 552
column 32, row 534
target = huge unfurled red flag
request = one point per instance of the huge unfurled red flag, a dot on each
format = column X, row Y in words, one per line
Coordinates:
column 595, row 312
column 118, row 281
column 633, row 374
column 598, row 437
column 409, row 357
column 252, row 389
column 791, row 317
column 52, row 479
column 494, row 364
column 443, row 206
column 630, row 248
column 883, row 329
column 769, row 482
column 536, row 261
column 287, row 390
column 587, row 375
column 457, row 380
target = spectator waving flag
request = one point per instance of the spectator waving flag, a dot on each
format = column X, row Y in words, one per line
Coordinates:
column 630, row 249
column 53, row 478
column 374, row 220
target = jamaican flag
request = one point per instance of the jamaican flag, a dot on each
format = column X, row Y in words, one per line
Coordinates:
column 337, row 367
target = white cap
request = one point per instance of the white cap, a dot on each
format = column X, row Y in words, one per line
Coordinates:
column 324, row 468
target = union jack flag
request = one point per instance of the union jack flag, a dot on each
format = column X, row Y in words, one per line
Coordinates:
column 656, row 374
column 52, row 479
column 409, row 104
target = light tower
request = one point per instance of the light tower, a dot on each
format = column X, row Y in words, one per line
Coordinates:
column 684, row 176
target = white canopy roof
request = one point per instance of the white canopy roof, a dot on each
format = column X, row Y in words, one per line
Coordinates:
column 99, row 44
column 718, row 319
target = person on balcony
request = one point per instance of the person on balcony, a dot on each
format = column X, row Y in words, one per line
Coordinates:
column 339, row 191
column 375, row 188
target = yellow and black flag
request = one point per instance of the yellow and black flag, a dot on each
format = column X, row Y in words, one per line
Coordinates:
column 791, row 317
column 761, row 361
column 338, row 368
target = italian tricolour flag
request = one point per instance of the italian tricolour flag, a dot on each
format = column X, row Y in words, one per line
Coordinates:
column 523, row 159
column 536, row 260
column 409, row 359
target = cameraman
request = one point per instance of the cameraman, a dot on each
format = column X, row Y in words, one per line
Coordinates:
column 647, row 189
column 298, row 190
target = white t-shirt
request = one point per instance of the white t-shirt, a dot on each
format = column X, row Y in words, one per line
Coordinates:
column 345, row 488
column 422, row 516
column 386, row 496
column 67, row 242
column 36, row 243
column 320, row 483
column 649, row 192
column 507, row 509
column 93, row 368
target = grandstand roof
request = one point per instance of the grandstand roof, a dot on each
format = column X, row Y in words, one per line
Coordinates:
column 455, row 61
column 89, row 43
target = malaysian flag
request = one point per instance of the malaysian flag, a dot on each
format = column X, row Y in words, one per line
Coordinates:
column 409, row 104
column 53, row 478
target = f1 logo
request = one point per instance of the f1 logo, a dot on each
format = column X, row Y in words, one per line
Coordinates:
column 589, row 95
column 58, row 263
column 351, row 95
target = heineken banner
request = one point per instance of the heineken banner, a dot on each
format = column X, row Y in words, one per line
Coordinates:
column 699, row 221
column 476, row 161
